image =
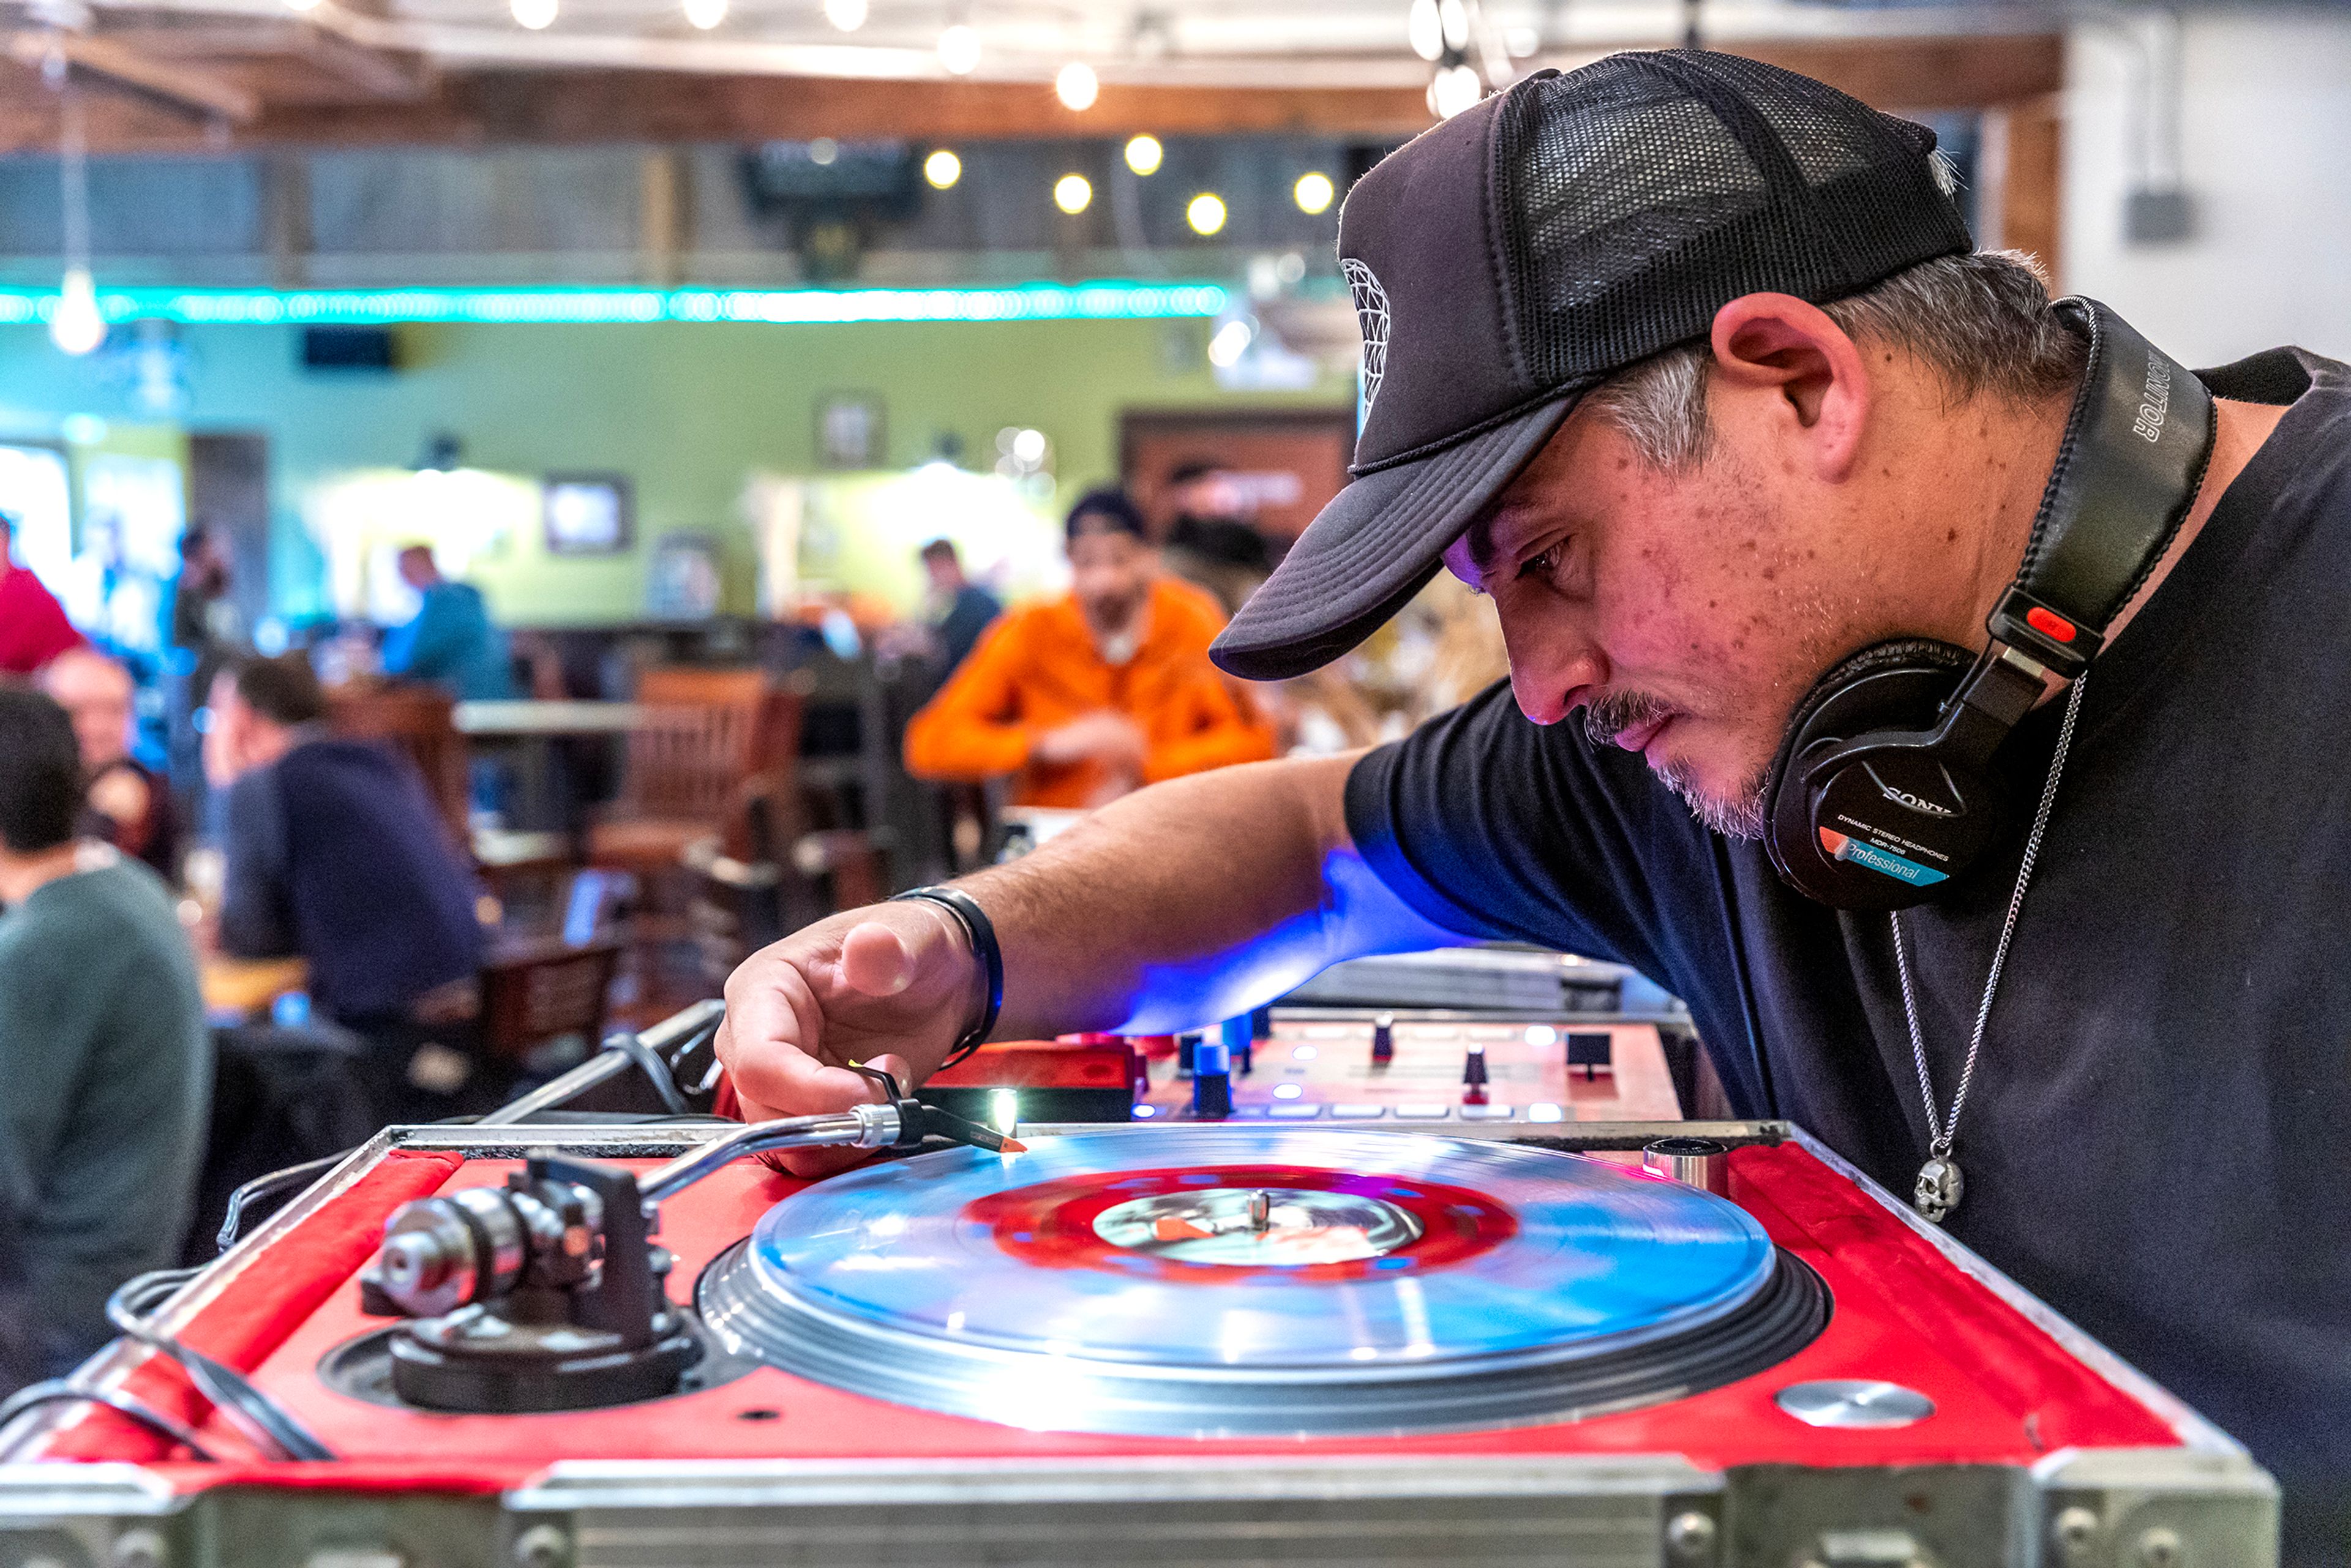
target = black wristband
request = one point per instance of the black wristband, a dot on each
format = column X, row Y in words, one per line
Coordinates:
column 982, row 931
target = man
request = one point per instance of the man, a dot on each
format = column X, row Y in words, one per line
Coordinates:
column 33, row 625
column 126, row 803
column 1088, row 696
column 1728, row 400
column 103, row 1049
column 450, row 641
column 962, row 609
column 335, row 853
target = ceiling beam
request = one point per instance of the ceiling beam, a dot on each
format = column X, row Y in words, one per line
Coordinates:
column 201, row 91
column 482, row 107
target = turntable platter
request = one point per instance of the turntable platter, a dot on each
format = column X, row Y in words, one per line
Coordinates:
column 1246, row 1281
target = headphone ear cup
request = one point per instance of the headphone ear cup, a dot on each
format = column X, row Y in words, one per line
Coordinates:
column 1849, row 700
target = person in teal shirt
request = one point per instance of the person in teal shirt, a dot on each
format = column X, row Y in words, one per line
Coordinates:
column 451, row 642
column 104, row 1052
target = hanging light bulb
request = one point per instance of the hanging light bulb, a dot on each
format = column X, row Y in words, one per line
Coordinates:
column 1313, row 192
column 75, row 327
column 704, row 14
column 1077, row 86
column 1206, row 213
column 1072, row 193
column 1455, row 89
column 846, row 15
column 1426, row 30
column 1453, row 18
column 942, row 169
column 533, row 13
column 1143, row 154
column 959, row 49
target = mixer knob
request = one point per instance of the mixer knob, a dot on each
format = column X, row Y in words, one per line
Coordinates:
column 1212, row 1083
column 1382, row 1040
column 1473, row 1074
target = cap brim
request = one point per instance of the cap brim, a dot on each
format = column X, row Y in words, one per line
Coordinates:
column 1375, row 545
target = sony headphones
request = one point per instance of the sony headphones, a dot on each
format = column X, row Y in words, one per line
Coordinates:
column 1883, row 792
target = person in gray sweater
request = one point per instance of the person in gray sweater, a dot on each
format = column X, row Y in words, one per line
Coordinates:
column 103, row 1054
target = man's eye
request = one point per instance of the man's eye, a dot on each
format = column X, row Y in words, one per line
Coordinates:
column 1544, row 564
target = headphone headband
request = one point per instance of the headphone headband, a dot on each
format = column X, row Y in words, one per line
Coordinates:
column 2137, row 443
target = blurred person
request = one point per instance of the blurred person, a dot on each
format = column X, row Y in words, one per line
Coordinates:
column 336, row 852
column 104, row 1052
column 206, row 627
column 961, row 610
column 1210, row 537
column 125, row 803
column 33, row 625
column 451, row 641
column 1088, row 696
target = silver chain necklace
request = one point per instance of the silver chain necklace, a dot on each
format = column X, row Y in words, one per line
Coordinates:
column 1940, row 1185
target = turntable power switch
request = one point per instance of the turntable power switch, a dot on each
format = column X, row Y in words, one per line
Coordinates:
column 1212, row 1081
column 1473, row 1076
column 1382, row 1040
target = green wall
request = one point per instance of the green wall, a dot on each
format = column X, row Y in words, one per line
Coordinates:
column 687, row 410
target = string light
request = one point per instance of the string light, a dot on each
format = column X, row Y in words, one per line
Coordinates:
column 1143, row 154
column 942, row 169
column 1313, row 192
column 704, row 14
column 850, row 15
column 534, row 14
column 959, row 49
column 1077, row 86
column 1072, row 193
column 1205, row 213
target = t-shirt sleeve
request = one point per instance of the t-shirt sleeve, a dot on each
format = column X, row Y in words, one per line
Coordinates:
column 1499, row 828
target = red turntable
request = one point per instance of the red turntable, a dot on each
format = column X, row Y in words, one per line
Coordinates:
column 1185, row 1343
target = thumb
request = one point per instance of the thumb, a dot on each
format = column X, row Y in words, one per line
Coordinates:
column 874, row 960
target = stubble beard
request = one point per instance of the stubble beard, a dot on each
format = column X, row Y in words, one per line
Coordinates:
column 1739, row 815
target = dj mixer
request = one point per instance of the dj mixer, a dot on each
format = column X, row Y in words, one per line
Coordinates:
column 1341, row 1340
column 1425, row 1067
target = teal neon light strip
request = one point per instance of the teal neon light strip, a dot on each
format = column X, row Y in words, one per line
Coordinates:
column 1103, row 301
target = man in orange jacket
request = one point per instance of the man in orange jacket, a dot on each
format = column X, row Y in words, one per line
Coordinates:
column 1088, row 696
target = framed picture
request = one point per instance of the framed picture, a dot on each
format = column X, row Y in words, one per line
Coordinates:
column 589, row 513
column 683, row 579
column 849, row 431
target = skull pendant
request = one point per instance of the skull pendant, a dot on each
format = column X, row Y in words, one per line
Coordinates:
column 1939, row 1188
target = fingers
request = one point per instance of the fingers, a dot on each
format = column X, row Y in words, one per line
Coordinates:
column 808, row 1163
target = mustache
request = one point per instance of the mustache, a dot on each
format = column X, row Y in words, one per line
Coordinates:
column 1612, row 714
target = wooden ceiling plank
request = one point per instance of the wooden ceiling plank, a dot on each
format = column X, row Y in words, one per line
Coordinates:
column 198, row 89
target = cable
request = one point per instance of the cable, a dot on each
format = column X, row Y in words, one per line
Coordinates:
column 58, row 1391
column 261, row 1188
column 270, row 1426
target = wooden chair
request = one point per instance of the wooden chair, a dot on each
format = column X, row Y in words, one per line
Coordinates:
column 416, row 720
column 711, row 742
column 538, row 992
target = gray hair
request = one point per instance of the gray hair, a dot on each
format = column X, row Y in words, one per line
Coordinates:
column 1982, row 322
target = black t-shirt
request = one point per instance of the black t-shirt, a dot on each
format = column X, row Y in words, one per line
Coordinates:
column 2156, row 1137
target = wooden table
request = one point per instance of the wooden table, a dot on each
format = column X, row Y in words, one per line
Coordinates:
column 241, row 987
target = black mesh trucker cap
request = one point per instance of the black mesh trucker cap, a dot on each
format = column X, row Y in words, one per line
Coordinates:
column 1508, row 260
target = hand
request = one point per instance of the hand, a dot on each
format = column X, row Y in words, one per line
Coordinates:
column 1111, row 738
column 222, row 763
column 891, row 986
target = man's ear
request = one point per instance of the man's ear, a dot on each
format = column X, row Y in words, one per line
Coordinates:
column 1782, row 345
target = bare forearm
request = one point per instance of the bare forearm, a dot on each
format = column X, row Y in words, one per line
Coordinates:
column 1188, row 902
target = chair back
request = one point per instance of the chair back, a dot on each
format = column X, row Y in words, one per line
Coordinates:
column 542, row 991
column 418, row 721
column 711, row 741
